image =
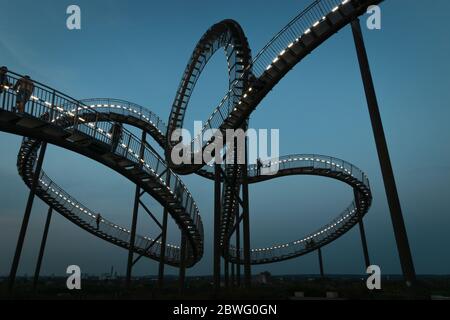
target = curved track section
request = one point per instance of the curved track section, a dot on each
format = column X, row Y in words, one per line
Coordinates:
column 303, row 34
column 58, row 119
column 295, row 41
column 228, row 35
column 315, row 165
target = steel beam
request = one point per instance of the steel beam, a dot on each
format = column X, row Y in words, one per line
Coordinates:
column 322, row 273
column 233, row 277
column 246, row 221
column 42, row 248
column 238, row 249
column 182, row 270
column 217, row 215
column 227, row 272
column 364, row 243
column 26, row 217
column 398, row 223
column 147, row 249
column 137, row 197
column 362, row 233
column 162, row 255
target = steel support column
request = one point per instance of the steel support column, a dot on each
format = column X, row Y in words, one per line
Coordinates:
column 364, row 243
column 233, row 278
column 137, row 197
column 163, row 241
column 133, row 235
column 163, row 250
column 398, row 223
column 217, row 215
column 246, row 220
column 26, row 217
column 227, row 272
column 182, row 274
column 238, row 250
column 42, row 248
column 322, row 273
column 363, row 234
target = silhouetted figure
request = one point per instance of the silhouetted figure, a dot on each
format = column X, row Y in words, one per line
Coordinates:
column 3, row 79
column 179, row 192
column 259, row 165
column 25, row 89
column 310, row 244
column 98, row 219
column 116, row 133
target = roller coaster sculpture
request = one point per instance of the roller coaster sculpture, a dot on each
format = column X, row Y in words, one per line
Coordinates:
column 83, row 126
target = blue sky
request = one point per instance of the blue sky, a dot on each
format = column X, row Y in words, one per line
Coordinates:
column 137, row 51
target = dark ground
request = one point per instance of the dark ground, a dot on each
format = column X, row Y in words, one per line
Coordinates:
column 278, row 288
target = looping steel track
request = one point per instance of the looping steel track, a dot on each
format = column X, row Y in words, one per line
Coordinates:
column 83, row 126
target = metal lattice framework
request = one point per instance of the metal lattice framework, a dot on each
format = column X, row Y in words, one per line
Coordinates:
column 83, row 126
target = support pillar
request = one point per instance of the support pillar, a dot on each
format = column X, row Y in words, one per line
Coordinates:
column 42, row 249
column 401, row 236
column 163, row 241
column 217, row 214
column 137, row 196
column 233, row 277
column 227, row 273
column 182, row 275
column 363, row 234
column 364, row 243
column 26, row 217
column 246, row 221
column 238, row 250
column 322, row 273
column 163, row 250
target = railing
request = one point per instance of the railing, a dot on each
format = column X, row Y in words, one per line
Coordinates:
column 89, row 217
column 270, row 167
column 303, row 22
column 304, row 244
column 57, row 108
column 313, row 162
column 127, row 108
column 308, row 18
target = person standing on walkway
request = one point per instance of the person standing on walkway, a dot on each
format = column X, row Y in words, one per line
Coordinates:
column 24, row 88
column 116, row 133
column 98, row 219
column 3, row 79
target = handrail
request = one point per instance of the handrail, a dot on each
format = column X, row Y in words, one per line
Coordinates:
column 145, row 113
column 59, row 109
column 297, row 27
column 322, row 7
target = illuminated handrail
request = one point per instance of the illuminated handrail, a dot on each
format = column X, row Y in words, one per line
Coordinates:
column 126, row 107
column 57, row 108
column 350, row 215
column 309, row 18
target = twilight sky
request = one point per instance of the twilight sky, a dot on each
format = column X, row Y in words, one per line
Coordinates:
column 137, row 51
